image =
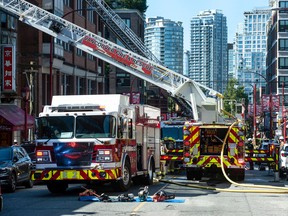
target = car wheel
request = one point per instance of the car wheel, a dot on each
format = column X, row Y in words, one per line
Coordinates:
column 12, row 183
column 29, row 184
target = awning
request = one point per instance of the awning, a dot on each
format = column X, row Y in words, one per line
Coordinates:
column 12, row 118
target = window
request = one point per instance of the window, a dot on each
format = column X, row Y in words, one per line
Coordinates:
column 283, row 44
column 283, row 80
column 283, row 4
column 80, row 6
column 67, row 3
column 283, row 63
column 283, row 25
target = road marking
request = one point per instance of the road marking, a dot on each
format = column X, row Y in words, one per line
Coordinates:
column 137, row 208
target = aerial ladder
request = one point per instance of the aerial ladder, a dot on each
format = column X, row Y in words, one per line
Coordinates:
column 203, row 108
column 121, row 30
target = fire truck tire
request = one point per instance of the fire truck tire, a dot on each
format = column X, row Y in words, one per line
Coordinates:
column 148, row 179
column 57, row 187
column 190, row 174
column 125, row 182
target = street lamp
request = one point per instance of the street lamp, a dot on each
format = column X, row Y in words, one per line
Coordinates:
column 270, row 101
column 25, row 95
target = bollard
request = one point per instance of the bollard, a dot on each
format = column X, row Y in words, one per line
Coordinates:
column 276, row 176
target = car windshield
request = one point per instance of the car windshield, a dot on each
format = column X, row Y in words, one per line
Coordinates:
column 5, row 154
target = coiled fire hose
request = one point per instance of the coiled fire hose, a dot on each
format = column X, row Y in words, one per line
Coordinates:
column 268, row 188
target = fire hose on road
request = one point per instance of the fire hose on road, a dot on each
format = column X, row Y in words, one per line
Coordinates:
column 263, row 188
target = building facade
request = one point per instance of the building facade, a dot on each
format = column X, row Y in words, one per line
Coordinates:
column 208, row 51
column 250, row 50
column 164, row 38
column 277, row 60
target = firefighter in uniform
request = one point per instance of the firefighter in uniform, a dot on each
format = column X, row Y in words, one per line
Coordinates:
column 250, row 147
column 163, row 151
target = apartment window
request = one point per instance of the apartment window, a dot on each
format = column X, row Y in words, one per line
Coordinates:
column 283, row 26
column 283, row 80
column 67, row 47
column 90, row 16
column 79, row 52
column 283, row 4
column 67, row 3
column 80, row 6
column 283, row 44
column 283, row 63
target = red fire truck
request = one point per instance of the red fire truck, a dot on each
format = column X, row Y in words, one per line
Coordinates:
column 93, row 138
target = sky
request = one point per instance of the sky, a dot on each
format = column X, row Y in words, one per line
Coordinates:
column 184, row 10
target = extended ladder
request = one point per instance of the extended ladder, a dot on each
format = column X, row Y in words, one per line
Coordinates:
column 174, row 83
column 120, row 29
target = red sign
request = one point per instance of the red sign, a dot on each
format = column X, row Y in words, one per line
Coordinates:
column 8, row 68
column 274, row 105
column 118, row 55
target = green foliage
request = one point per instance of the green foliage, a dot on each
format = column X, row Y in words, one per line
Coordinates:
column 234, row 93
column 140, row 5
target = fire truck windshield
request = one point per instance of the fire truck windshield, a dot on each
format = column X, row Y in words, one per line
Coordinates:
column 100, row 126
column 64, row 127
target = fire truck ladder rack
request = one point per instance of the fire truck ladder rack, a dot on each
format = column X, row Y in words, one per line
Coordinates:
column 119, row 27
column 174, row 83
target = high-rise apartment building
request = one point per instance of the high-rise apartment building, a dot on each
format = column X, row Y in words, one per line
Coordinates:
column 208, row 53
column 164, row 38
column 277, row 55
column 250, row 49
column 230, row 50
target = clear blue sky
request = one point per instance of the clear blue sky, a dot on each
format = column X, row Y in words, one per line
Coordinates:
column 184, row 10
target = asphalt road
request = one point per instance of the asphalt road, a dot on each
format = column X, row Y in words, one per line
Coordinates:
column 196, row 198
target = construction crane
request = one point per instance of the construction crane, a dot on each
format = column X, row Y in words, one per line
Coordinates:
column 203, row 108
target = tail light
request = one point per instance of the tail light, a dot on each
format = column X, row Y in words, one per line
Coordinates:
column 43, row 156
column 241, row 161
column 187, row 157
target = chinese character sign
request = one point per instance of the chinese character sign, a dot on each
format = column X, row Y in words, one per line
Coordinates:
column 8, row 68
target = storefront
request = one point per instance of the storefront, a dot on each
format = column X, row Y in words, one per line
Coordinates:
column 13, row 119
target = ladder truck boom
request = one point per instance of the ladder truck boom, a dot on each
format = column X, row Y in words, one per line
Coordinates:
column 119, row 27
column 176, row 84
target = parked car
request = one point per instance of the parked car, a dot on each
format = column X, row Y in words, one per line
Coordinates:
column 283, row 161
column 15, row 168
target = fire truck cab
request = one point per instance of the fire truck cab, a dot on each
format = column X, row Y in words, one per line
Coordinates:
column 96, row 138
column 203, row 144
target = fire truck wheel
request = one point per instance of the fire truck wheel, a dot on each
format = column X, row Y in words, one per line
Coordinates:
column 125, row 183
column 190, row 174
column 148, row 179
column 57, row 187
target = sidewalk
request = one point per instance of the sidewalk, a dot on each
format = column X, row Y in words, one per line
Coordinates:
column 265, row 177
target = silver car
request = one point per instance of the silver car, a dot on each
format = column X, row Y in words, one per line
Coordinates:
column 283, row 161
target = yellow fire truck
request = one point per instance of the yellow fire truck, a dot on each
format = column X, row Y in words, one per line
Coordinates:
column 202, row 150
